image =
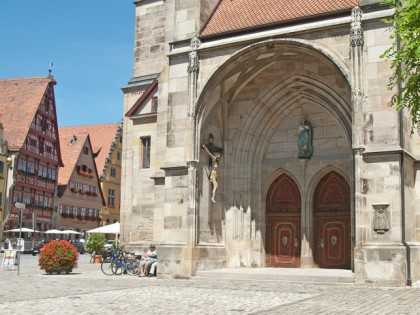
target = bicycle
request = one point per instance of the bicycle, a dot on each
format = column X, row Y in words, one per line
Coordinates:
column 118, row 261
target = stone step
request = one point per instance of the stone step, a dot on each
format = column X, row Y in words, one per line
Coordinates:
column 281, row 274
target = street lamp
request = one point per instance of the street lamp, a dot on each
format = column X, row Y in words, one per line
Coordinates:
column 9, row 162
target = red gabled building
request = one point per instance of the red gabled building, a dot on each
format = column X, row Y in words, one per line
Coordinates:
column 79, row 191
column 28, row 114
column 106, row 142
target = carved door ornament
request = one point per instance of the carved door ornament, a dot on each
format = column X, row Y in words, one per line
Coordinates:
column 322, row 243
column 380, row 218
column 296, row 243
column 284, row 240
column 334, row 239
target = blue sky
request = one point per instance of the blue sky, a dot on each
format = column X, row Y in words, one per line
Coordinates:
column 89, row 42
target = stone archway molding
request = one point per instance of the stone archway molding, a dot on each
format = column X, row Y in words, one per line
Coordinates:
column 223, row 71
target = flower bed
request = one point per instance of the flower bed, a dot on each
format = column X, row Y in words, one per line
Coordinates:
column 58, row 256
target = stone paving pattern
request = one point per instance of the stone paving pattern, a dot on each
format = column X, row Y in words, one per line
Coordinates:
column 88, row 291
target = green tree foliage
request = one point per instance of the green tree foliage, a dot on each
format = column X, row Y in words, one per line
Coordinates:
column 95, row 243
column 405, row 56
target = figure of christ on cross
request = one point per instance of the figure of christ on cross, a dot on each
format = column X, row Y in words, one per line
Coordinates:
column 215, row 159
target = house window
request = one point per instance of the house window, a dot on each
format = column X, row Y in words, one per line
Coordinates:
column 111, row 197
column 118, row 156
column 85, row 150
column 145, row 152
column 1, row 167
column 46, row 202
column 32, row 142
column 51, row 173
column 113, row 172
column 42, row 171
column 40, row 167
column 38, row 200
column 17, row 196
column 41, row 146
column 44, row 124
column 22, row 165
column 48, row 148
column 31, row 166
column 1, row 198
column 27, row 198
column 154, row 104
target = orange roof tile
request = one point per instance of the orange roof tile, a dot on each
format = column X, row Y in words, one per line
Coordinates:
column 233, row 15
column 19, row 101
column 70, row 153
column 101, row 137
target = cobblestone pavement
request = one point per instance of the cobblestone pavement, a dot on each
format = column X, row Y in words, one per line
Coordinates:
column 88, row 291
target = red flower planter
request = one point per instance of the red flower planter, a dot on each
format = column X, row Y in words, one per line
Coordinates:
column 58, row 257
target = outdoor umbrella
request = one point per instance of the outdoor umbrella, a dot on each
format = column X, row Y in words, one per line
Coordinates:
column 70, row 232
column 53, row 232
column 23, row 230
column 107, row 229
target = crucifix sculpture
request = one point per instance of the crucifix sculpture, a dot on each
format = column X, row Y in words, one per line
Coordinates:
column 215, row 154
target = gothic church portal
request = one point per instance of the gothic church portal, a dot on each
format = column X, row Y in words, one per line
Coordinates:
column 268, row 145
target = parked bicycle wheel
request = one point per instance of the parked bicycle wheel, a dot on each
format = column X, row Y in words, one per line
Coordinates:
column 117, row 267
column 132, row 266
column 106, row 267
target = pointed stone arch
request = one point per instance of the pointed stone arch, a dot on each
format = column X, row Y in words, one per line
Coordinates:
column 283, row 215
column 332, row 222
column 245, row 117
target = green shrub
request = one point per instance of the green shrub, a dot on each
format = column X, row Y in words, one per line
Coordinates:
column 95, row 243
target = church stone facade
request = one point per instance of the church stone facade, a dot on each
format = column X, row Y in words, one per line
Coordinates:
column 286, row 125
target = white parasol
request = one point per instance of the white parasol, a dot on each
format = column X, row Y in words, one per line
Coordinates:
column 53, row 231
column 70, row 232
column 107, row 229
column 23, row 230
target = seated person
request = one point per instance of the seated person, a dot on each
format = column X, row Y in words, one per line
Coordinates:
column 152, row 269
column 149, row 258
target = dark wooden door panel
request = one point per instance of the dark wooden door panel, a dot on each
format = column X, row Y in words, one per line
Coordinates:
column 283, row 223
column 332, row 222
column 285, row 241
column 333, row 240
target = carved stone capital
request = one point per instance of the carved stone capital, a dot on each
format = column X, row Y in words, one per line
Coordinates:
column 195, row 43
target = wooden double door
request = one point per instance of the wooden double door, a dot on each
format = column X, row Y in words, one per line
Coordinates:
column 331, row 217
column 332, row 222
column 283, row 223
